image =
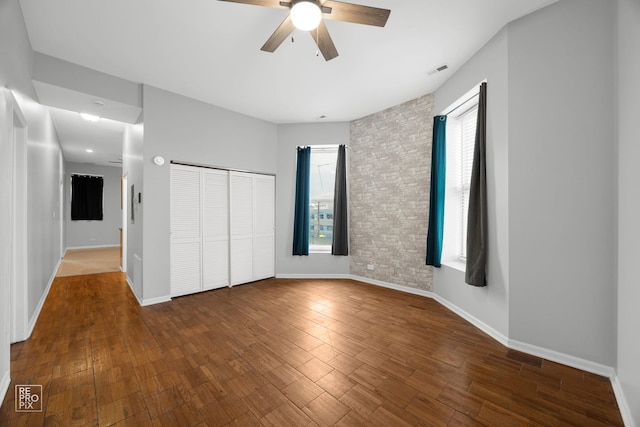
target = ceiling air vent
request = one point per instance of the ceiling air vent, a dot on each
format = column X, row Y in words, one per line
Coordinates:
column 437, row 70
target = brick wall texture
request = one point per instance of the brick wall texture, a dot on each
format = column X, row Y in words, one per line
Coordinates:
column 389, row 170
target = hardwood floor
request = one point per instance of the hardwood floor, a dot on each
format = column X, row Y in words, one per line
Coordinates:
column 80, row 262
column 284, row 353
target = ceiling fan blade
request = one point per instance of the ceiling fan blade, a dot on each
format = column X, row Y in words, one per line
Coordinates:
column 279, row 35
column 268, row 3
column 349, row 12
column 324, row 42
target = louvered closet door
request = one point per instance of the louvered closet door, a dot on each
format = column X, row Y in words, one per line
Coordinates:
column 241, row 244
column 264, row 233
column 215, row 229
column 185, row 230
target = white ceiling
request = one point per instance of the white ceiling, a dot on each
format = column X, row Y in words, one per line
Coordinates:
column 78, row 135
column 210, row 50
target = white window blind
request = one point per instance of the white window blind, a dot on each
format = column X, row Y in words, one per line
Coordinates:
column 467, row 135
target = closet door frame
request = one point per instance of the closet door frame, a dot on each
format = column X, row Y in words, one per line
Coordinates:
column 247, row 245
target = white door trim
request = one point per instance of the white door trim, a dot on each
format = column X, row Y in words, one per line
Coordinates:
column 19, row 275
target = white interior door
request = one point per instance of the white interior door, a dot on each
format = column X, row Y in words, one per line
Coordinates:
column 186, row 232
column 241, row 243
column 215, row 229
column 264, row 233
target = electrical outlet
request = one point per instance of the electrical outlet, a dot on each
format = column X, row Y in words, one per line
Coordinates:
column 370, row 267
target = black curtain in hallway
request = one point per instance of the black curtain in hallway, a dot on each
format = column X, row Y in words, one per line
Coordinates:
column 86, row 198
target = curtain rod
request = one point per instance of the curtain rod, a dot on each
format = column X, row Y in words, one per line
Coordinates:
column 461, row 104
column 87, row 174
column 220, row 168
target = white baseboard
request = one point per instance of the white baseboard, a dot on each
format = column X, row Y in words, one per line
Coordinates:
column 158, row 300
column 146, row 302
column 36, row 313
column 493, row 333
column 563, row 358
column 501, row 338
column 313, row 276
column 552, row 355
column 407, row 289
column 623, row 404
column 4, row 385
column 133, row 291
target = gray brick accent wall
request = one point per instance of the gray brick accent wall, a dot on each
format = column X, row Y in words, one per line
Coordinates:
column 389, row 171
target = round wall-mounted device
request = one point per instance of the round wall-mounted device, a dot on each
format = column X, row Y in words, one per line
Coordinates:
column 158, row 160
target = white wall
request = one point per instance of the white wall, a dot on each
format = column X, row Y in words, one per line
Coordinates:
column 95, row 233
column 45, row 174
column 561, row 180
column 489, row 304
column 56, row 72
column 289, row 137
column 6, row 260
column 628, row 204
column 45, row 171
column 132, row 165
column 550, row 174
column 183, row 129
column 15, row 63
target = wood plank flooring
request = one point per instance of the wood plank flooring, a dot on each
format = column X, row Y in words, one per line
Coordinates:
column 284, row 353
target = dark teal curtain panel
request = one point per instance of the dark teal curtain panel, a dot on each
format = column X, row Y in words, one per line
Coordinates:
column 301, row 215
column 436, row 193
column 340, row 245
column 476, row 271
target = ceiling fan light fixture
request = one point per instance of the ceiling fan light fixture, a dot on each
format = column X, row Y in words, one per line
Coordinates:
column 306, row 15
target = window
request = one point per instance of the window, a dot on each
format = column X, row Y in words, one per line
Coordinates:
column 466, row 124
column 322, row 182
column 461, row 133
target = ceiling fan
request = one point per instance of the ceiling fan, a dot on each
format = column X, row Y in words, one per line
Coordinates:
column 309, row 15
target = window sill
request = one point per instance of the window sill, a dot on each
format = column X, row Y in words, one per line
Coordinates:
column 320, row 250
column 456, row 264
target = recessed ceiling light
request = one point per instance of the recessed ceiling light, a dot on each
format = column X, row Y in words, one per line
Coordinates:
column 89, row 150
column 89, row 117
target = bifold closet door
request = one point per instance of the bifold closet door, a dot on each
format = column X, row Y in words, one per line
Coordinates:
column 241, row 243
column 215, row 229
column 252, row 227
column 185, row 230
column 222, row 228
column 264, row 220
